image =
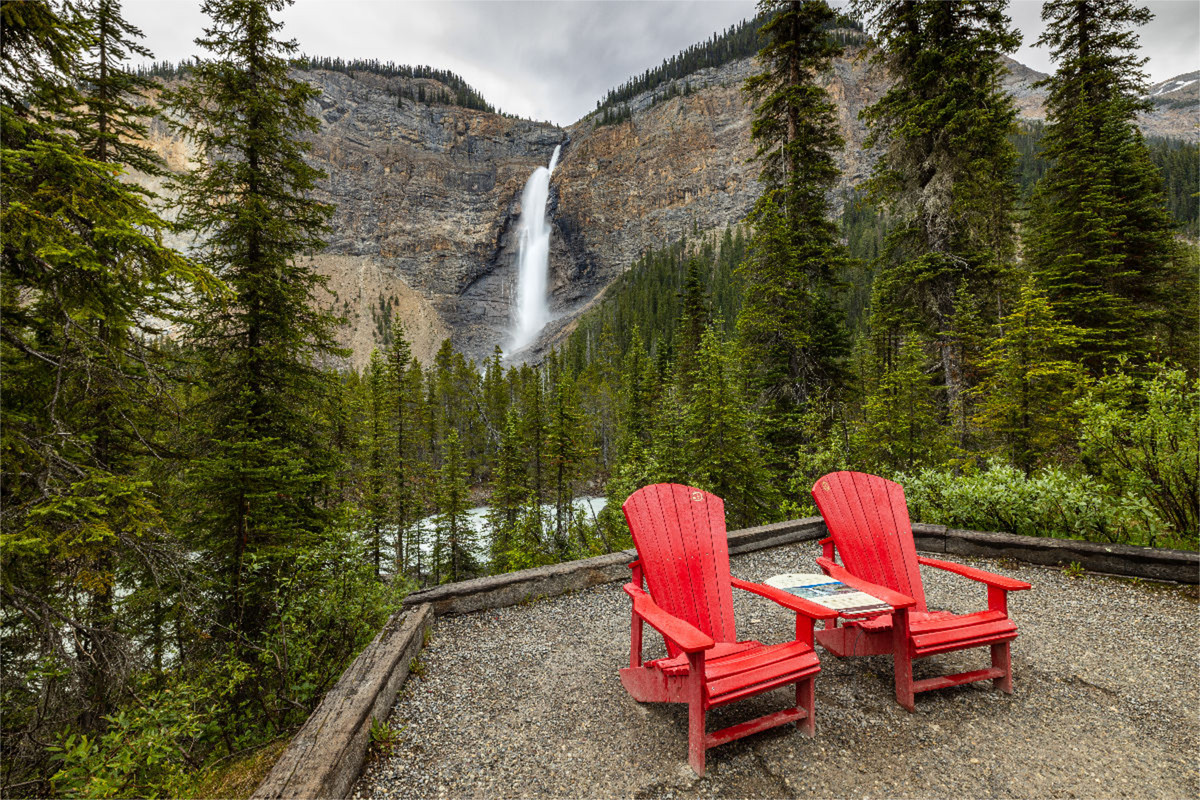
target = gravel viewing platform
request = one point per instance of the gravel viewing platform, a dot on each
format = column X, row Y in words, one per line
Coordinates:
column 525, row 701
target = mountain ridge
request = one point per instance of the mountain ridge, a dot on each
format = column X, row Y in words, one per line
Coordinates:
column 427, row 194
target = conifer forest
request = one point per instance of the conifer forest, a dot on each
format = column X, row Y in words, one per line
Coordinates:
column 206, row 513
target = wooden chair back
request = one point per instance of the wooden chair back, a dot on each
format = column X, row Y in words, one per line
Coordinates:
column 679, row 532
column 867, row 516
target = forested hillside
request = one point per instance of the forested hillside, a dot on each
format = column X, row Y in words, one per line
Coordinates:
column 453, row 90
column 205, row 519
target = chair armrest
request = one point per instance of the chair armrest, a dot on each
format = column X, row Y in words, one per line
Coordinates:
column 683, row 635
column 892, row 598
column 983, row 576
column 827, row 547
column 787, row 600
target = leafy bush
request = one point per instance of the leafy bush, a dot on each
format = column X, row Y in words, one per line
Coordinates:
column 1051, row 502
column 1140, row 435
column 147, row 750
column 324, row 610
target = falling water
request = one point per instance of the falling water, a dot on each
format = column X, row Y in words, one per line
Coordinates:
column 533, row 234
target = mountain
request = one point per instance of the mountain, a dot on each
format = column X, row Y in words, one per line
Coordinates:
column 428, row 193
column 1176, row 102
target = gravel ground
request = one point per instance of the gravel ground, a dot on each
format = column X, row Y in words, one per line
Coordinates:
column 526, row 702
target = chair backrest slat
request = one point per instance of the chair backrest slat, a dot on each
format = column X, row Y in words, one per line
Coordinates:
column 679, row 532
column 867, row 516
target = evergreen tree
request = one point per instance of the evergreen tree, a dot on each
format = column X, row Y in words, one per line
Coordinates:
column 946, row 173
column 376, row 499
column 1100, row 238
column 112, row 122
column 790, row 323
column 84, row 278
column 722, row 447
column 693, row 321
column 567, row 449
column 404, row 397
column 261, row 461
column 508, row 497
column 901, row 427
column 1031, row 384
column 453, row 557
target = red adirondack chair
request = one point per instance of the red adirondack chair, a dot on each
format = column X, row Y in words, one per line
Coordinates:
column 867, row 517
column 683, row 555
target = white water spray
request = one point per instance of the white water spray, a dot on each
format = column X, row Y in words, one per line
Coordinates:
column 533, row 235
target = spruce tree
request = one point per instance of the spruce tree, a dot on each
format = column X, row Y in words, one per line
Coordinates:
column 722, row 447
column 375, row 498
column 453, row 556
column 946, row 172
column 693, row 321
column 115, row 109
column 404, row 397
column 1101, row 240
column 84, row 280
column 508, row 497
column 567, row 449
column 1031, row 383
column 902, row 426
column 790, row 324
column 260, row 464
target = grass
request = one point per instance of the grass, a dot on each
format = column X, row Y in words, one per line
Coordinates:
column 237, row 778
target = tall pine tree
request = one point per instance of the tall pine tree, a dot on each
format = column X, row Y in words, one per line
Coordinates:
column 946, row 173
column 260, row 463
column 84, row 281
column 1101, row 240
column 790, row 323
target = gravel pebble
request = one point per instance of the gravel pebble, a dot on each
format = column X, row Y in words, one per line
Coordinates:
column 526, row 701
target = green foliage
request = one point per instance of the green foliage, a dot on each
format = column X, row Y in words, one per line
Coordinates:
column 1025, row 398
column 721, row 448
column 1179, row 163
column 1177, row 160
column 145, row 750
column 1050, row 502
column 901, row 426
column 453, row 556
column 790, row 329
column 262, row 464
column 383, row 737
column 945, row 174
column 1100, row 238
column 1140, row 434
column 85, row 287
column 114, row 113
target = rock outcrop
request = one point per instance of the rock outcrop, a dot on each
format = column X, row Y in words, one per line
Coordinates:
column 428, row 196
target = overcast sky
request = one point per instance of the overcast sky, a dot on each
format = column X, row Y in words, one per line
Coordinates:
column 553, row 60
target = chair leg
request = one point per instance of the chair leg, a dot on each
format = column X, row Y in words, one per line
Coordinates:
column 696, row 713
column 805, row 699
column 1002, row 658
column 902, row 660
column 696, row 737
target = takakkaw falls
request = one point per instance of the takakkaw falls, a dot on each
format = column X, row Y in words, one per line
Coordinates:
column 533, row 235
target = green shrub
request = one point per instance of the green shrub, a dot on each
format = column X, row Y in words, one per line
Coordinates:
column 1140, row 435
column 146, row 750
column 1051, row 502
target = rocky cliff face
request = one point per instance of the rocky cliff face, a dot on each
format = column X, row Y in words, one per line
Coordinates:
column 678, row 165
column 428, row 196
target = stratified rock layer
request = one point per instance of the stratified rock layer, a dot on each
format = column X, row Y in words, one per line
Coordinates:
column 427, row 196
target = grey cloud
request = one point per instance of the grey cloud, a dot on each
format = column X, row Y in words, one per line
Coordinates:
column 553, row 60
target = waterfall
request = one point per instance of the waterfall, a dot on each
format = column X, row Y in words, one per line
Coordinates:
column 533, row 236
